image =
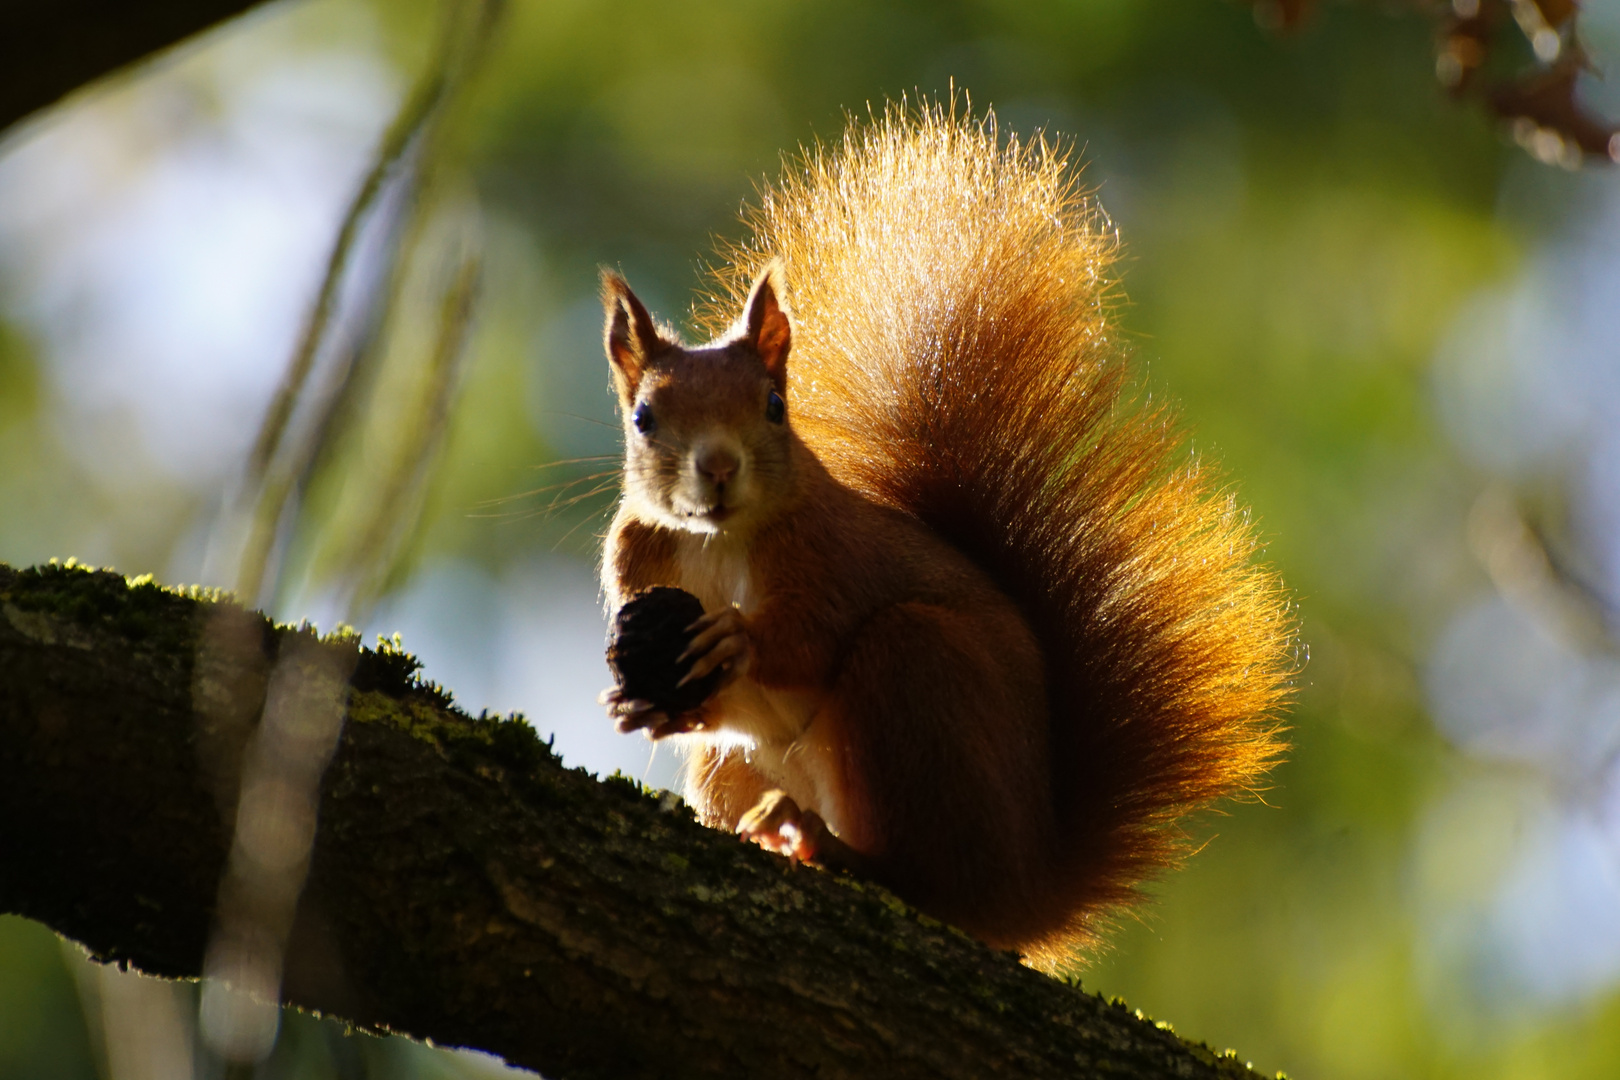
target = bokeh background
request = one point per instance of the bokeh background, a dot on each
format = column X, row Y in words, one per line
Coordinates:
column 1398, row 333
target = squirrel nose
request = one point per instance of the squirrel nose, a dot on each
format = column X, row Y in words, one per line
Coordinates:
column 717, row 465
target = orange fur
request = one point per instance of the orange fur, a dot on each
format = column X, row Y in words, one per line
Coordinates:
column 1012, row 635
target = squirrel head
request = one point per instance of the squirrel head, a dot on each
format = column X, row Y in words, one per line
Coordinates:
column 708, row 448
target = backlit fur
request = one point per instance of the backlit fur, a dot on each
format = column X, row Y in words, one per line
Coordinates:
column 1016, row 627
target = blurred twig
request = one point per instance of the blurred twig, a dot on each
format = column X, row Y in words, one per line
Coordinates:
column 279, row 466
column 1532, row 577
column 309, row 426
column 1540, row 103
column 374, row 556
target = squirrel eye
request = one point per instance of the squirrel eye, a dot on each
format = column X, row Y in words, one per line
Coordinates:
column 775, row 408
column 643, row 418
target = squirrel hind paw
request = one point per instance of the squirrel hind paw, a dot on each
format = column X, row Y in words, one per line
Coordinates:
column 776, row 823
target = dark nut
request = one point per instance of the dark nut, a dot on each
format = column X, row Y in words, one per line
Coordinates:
column 649, row 633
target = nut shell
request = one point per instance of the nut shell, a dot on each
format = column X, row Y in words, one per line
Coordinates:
column 649, row 633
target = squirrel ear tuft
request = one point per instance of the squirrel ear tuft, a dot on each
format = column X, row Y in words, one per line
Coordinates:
column 768, row 330
column 631, row 337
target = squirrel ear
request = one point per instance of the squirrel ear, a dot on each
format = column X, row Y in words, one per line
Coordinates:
column 767, row 326
column 631, row 337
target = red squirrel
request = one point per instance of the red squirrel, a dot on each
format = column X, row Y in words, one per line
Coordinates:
column 987, row 633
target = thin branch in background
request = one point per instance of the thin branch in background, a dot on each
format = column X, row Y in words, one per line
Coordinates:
column 266, row 516
column 1562, row 568
column 274, row 476
column 402, row 134
column 359, row 431
column 1531, row 576
column 374, row 560
column 305, row 434
column 1541, row 104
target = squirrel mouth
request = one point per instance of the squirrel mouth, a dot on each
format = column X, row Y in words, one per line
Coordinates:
column 713, row 515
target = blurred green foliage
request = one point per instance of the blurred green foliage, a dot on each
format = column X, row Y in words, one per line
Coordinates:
column 42, row 1031
column 1302, row 220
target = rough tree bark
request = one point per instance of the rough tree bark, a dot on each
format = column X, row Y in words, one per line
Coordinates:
column 49, row 49
column 468, row 888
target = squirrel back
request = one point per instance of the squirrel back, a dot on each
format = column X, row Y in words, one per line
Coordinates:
column 954, row 358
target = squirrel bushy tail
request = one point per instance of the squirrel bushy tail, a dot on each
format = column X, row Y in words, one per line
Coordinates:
column 954, row 356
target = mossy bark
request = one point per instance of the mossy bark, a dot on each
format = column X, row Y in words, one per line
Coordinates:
column 467, row 887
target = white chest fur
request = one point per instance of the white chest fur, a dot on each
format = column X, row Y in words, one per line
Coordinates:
column 772, row 725
column 715, row 569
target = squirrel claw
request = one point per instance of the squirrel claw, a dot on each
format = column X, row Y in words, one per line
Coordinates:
column 733, row 652
column 631, row 714
column 712, row 628
column 721, row 640
column 676, row 725
column 636, row 715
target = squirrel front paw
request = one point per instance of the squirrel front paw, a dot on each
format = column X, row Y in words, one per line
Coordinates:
column 719, row 640
column 635, row 714
column 776, row 823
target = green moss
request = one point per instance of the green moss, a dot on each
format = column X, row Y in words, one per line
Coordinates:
column 624, row 785
column 139, row 610
column 425, row 711
column 391, row 670
column 517, row 745
column 387, row 680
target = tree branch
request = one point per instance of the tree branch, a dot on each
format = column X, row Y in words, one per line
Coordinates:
column 50, row 49
column 468, row 888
